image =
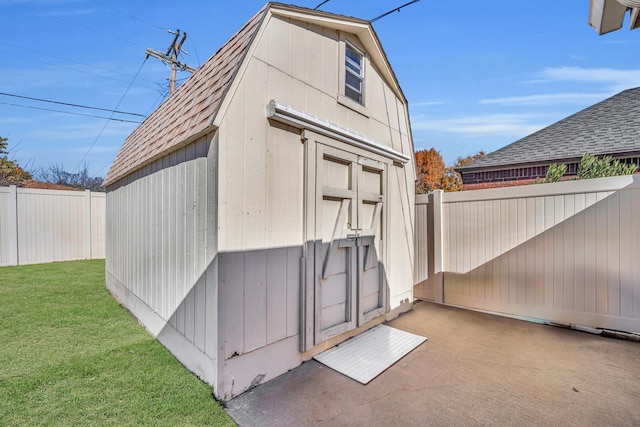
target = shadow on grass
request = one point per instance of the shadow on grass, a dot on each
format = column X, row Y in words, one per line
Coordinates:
column 70, row 355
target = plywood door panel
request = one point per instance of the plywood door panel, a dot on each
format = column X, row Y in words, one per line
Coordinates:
column 336, row 194
column 349, row 229
column 371, row 192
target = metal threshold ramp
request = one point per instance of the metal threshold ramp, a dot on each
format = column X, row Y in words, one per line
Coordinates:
column 367, row 355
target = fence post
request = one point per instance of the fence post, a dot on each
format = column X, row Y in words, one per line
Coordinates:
column 13, row 224
column 438, row 249
column 87, row 213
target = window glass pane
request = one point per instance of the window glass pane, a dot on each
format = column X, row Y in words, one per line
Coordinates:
column 353, row 95
column 354, row 74
column 353, row 55
column 355, row 68
column 354, row 81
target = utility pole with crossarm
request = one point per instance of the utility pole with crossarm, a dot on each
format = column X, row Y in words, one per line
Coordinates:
column 171, row 57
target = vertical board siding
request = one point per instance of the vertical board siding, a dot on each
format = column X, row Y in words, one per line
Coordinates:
column 421, row 243
column 8, row 253
column 98, row 220
column 156, row 233
column 262, row 176
column 38, row 226
column 567, row 256
column 425, row 269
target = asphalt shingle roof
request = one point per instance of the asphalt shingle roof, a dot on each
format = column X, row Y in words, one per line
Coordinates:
column 608, row 127
column 189, row 112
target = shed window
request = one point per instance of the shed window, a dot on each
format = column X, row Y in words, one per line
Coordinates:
column 354, row 73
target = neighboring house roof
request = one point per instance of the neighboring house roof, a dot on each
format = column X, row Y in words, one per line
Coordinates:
column 32, row 183
column 192, row 110
column 608, row 127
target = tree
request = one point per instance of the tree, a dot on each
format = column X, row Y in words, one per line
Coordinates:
column 55, row 174
column 452, row 180
column 430, row 168
column 10, row 172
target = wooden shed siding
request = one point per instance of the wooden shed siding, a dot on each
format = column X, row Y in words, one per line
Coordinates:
column 571, row 253
column 297, row 54
column 260, row 232
column 157, row 229
column 262, row 176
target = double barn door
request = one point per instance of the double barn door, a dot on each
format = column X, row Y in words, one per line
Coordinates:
column 349, row 281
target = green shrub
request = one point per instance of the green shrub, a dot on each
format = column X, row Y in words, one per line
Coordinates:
column 555, row 172
column 593, row 167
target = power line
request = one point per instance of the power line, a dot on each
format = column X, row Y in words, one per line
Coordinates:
column 129, row 15
column 397, row 9
column 75, row 69
column 78, row 24
column 325, row 1
column 71, row 105
column 107, row 122
column 112, row 158
column 195, row 50
column 67, row 112
column 73, row 61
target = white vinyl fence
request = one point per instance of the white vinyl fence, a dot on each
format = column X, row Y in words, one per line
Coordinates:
column 567, row 252
column 38, row 226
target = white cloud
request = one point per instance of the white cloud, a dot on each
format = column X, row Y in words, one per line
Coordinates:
column 96, row 149
column 546, row 99
column 41, row 2
column 13, row 120
column 614, row 80
column 89, row 131
column 61, row 13
column 425, row 103
column 512, row 125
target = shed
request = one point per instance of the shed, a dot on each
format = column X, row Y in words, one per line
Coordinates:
column 264, row 212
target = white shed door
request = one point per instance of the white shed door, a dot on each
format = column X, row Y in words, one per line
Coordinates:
column 349, row 288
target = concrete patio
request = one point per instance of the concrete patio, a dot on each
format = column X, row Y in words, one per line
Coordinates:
column 475, row 369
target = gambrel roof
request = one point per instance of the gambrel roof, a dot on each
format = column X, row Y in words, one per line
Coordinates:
column 192, row 110
column 611, row 126
column 189, row 112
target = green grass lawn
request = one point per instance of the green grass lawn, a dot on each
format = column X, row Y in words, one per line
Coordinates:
column 70, row 355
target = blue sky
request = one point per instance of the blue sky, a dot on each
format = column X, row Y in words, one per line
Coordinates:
column 478, row 75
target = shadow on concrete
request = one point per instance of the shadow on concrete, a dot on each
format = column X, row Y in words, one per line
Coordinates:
column 475, row 369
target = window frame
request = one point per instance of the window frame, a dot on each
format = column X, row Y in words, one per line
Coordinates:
column 350, row 69
column 341, row 96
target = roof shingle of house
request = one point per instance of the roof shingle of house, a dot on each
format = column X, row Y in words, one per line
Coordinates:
column 608, row 127
column 190, row 111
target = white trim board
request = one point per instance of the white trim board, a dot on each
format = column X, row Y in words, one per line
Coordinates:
column 367, row 355
column 299, row 119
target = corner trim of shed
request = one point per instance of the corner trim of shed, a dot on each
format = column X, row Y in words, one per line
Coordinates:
column 299, row 119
